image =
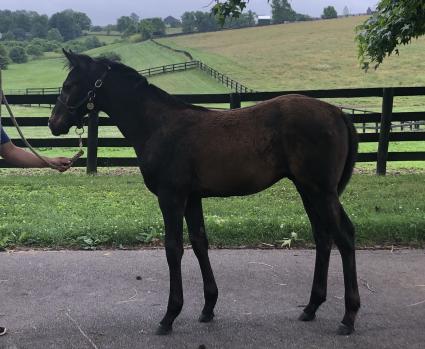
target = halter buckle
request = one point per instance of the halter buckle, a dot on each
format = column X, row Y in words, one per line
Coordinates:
column 79, row 131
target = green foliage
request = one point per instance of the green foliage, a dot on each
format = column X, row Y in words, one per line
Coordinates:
column 244, row 20
column 124, row 22
column 329, row 12
column 150, row 27
column 35, row 49
column 4, row 58
column 92, row 42
column 54, row 35
column 393, row 24
column 199, row 21
column 188, row 22
column 282, row 11
column 228, row 8
column 18, row 55
column 23, row 25
column 70, row 23
column 111, row 55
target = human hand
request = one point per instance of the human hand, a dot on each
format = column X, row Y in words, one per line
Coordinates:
column 62, row 164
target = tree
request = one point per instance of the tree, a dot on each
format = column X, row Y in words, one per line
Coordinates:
column 123, row 23
column 70, row 23
column 146, row 29
column 393, row 24
column 329, row 12
column 282, row 11
column 346, row 11
column 5, row 21
column 369, row 11
column 205, row 22
column 244, row 20
column 18, row 55
column 83, row 21
column 149, row 27
column 4, row 58
column 188, row 22
column 39, row 26
column 54, row 35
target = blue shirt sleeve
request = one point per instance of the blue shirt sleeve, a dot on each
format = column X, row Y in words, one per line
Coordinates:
column 3, row 136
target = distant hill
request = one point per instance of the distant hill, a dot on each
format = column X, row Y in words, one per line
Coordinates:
column 305, row 55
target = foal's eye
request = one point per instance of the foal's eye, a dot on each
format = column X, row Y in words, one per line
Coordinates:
column 67, row 86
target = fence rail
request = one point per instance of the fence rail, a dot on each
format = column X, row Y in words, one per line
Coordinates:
column 385, row 135
column 148, row 72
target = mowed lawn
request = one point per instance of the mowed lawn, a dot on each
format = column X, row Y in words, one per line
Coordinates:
column 72, row 210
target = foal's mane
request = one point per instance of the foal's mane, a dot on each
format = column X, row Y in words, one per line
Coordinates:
column 142, row 85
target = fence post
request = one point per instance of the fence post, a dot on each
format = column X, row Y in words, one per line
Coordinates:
column 92, row 138
column 384, row 134
column 1, row 91
column 235, row 100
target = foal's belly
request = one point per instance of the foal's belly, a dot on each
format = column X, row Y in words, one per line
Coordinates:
column 237, row 178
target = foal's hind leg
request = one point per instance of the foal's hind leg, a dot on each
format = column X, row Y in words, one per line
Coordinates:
column 336, row 224
column 344, row 239
column 323, row 250
column 195, row 223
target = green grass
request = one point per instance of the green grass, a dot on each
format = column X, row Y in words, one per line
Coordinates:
column 71, row 210
column 300, row 56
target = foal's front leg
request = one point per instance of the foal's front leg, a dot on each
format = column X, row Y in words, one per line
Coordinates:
column 172, row 208
column 198, row 238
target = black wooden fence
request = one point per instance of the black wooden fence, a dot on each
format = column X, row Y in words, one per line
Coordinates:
column 384, row 118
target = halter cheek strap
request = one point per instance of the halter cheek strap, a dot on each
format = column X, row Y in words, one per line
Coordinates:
column 88, row 100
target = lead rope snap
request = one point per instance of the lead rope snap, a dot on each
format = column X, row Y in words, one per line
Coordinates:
column 79, row 132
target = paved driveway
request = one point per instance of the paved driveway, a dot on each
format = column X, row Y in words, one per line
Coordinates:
column 77, row 299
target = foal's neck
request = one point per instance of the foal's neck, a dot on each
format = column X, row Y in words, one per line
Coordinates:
column 139, row 112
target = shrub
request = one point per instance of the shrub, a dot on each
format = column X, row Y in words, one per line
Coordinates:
column 18, row 55
column 92, row 42
column 113, row 56
column 35, row 49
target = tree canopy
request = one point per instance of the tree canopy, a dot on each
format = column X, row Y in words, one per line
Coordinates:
column 329, row 12
column 393, row 24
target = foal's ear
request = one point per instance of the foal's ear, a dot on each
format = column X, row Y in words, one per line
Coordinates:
column 77, row 61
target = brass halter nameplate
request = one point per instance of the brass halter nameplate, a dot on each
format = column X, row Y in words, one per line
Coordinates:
column 90, row 106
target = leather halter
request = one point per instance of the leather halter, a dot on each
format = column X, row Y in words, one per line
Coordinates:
column 88, row 99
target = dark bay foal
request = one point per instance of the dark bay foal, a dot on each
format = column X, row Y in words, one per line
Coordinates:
column 187, row 153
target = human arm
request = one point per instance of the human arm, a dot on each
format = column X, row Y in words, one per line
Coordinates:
column 20, row 157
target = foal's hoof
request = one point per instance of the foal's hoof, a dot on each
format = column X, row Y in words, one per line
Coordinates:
column 306, row 317
column 344, row 330
column 163, row 330
column 206, row 317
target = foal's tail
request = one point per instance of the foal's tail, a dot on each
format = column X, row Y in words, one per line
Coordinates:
column 353, row 144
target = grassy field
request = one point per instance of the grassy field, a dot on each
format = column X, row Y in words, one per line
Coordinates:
column 307, row 55
column 50, row 72
column 74, row 210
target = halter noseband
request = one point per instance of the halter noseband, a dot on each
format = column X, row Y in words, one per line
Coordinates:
column 88, row 100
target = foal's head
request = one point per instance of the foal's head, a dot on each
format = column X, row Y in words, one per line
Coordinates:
column 77, row 97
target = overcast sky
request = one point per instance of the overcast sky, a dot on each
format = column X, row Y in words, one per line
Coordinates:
column 104, row 12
